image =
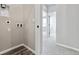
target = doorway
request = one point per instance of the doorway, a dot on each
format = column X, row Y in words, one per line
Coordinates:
column 45, row 35
column 48, row 28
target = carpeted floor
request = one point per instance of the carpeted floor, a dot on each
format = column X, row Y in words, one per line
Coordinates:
column 19, row 51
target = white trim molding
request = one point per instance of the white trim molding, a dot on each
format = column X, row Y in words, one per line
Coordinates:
column 38, row 31
column 29, row 48
column 2, row 52
column 68, row 47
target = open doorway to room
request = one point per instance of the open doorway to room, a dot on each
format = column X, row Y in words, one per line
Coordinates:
column 48, row 28
column 55, row 29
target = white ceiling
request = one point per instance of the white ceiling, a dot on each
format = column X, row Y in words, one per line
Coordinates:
column 51, row 7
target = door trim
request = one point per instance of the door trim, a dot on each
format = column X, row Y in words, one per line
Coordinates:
column 38, row 31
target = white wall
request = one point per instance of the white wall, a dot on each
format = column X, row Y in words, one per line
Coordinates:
column 28, row 11
column 14, row 37
column 68, row 25
column 18, row 14
column 5, row 35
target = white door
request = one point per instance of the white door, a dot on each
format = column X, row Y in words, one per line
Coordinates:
column 49, row 27
column 38, row 29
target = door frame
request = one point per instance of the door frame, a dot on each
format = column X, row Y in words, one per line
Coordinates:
column 38, row 31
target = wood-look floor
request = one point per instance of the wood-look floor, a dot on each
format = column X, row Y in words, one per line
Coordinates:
column 19, row 51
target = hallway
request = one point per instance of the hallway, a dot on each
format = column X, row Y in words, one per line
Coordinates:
column 50, row 48
column 49, row 34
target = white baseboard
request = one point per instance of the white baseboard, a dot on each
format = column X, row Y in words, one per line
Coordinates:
column 66, row 46
column 29, row 48
column 2, row 52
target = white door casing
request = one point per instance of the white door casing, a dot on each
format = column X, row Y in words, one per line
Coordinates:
column 38, row 29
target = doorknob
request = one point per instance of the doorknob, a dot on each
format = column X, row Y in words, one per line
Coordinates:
column 37, row 26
